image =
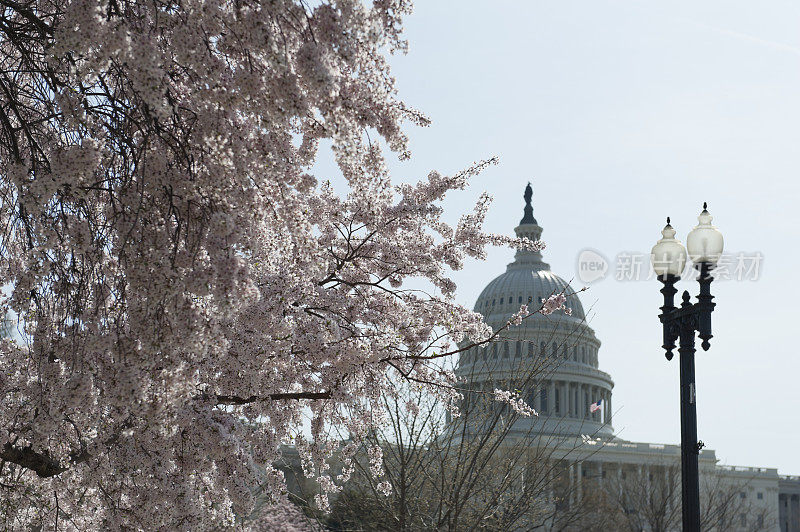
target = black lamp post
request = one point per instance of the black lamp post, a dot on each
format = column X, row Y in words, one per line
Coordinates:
column 680, row 323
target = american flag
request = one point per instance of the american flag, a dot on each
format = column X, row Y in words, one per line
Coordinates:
column 594, row 407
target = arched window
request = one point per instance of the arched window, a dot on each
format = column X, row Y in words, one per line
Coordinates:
column 518, row 351
column 505, row 349
column 543, row 400
column 484, row 349
column 554, row 351
column 494, row 350
column 531, row 349
column 542, row 349
column 519, row 300
column 492, row 302
column 575, row 353
column 501, row 300
column 564, row 352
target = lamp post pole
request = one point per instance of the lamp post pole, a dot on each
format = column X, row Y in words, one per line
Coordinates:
column 681, row 323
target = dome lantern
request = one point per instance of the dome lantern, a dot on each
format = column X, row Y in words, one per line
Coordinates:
column 528, row 228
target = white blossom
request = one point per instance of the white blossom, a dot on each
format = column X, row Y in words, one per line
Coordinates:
column 515, row 402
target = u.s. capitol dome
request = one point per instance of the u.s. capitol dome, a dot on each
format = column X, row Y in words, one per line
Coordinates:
column 555, row 356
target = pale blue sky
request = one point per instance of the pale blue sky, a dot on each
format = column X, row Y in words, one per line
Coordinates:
column 622, row 113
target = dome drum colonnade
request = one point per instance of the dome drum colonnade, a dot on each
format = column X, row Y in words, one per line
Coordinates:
column 571, row 379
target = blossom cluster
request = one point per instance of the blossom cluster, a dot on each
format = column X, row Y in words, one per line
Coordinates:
column 555, row 303
column 516, row 403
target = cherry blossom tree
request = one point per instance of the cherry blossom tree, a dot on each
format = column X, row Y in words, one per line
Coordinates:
column 187, row 289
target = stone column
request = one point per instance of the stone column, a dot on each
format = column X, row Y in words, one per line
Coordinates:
column 603, row 411
column 580, row 481
column 599, row 472
column 572, row 399
column 585, row 394
column 583, row 408
column 571, row 388
column 564, row 400
column 571, row 485
column 551, row 398
column 559, row 391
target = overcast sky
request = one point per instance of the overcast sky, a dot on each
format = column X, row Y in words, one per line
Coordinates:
column 621, row 113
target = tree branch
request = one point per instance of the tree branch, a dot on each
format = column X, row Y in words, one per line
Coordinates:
column 39, row 463
column 236, row 400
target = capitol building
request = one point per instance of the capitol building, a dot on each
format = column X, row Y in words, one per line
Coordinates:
column 563, row 392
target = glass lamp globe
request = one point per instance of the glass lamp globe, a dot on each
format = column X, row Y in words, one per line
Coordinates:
column 704, row 242
column 668, row 255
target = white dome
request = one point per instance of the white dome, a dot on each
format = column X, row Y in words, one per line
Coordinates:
column 524, row 285
column 565, row 344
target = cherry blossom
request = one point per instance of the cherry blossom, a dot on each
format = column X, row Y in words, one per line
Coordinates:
column 516, row 403
column 554, row 303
